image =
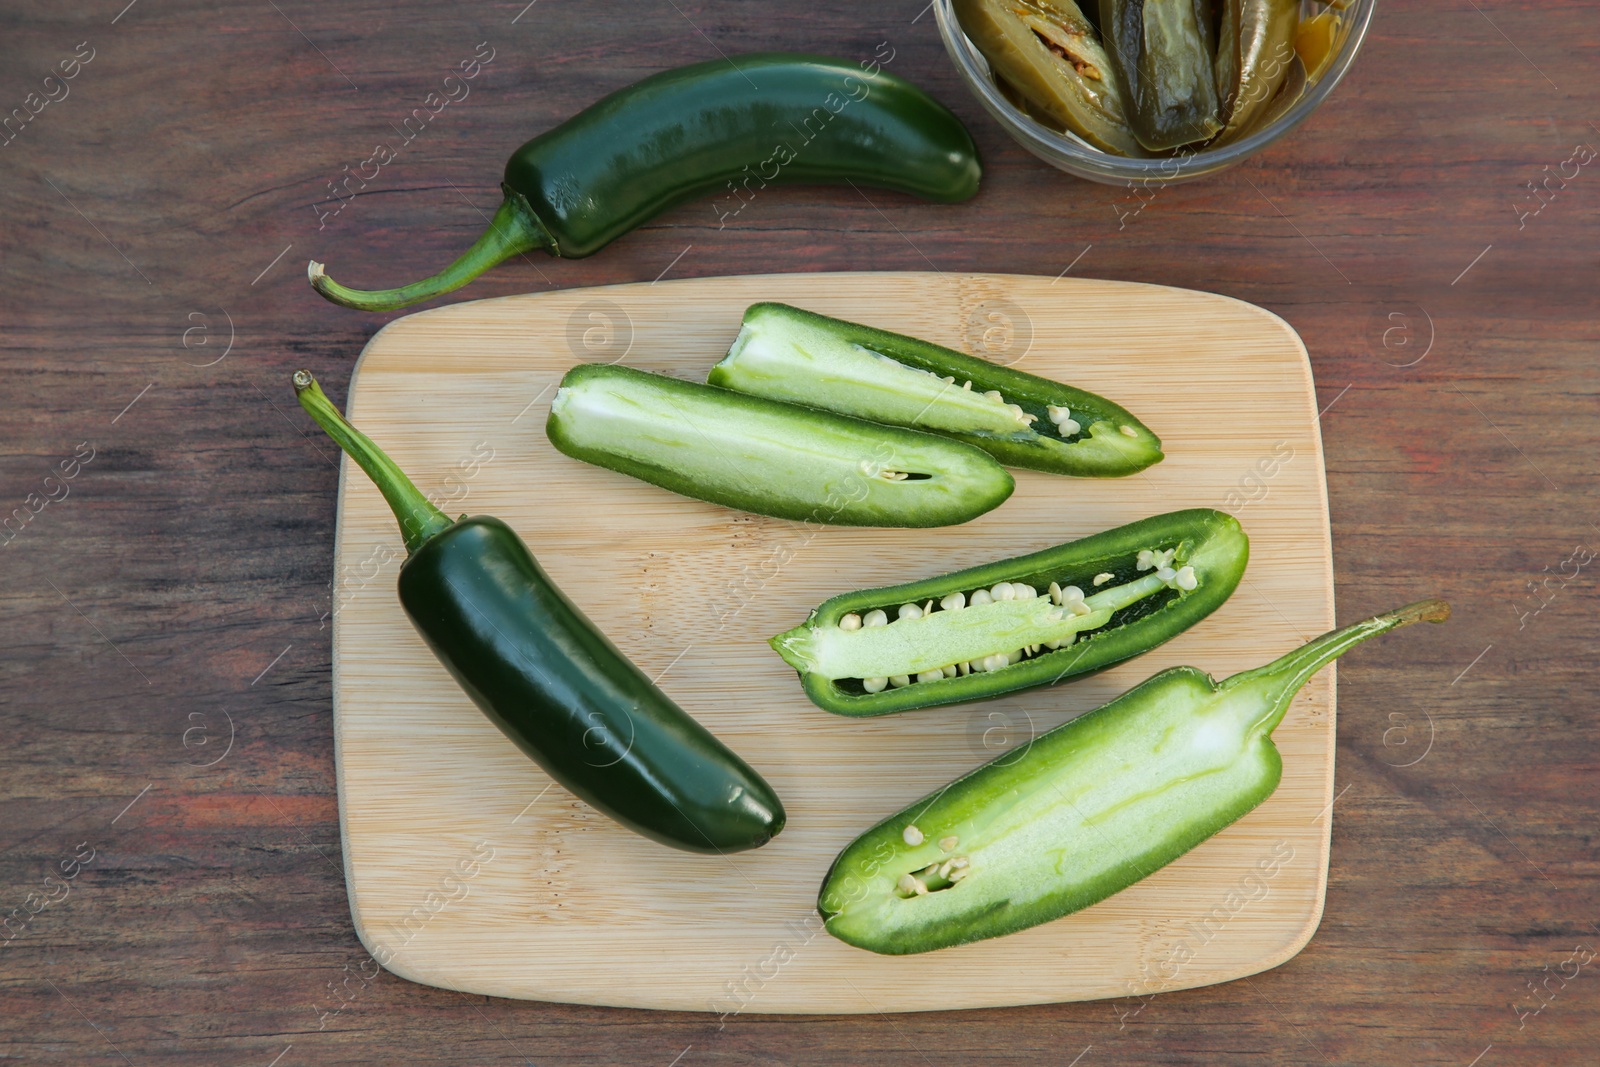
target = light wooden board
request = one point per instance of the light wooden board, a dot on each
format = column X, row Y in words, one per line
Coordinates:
column 468, row 869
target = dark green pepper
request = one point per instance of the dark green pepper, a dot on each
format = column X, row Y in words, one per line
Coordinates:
column 801, row 357
column 1255, row 50
column 1083, row 812
column 736, row 124
column 1051, row 55
column 766, row 457
column 1033, row 620
column 1163, row 55
column 549, row 680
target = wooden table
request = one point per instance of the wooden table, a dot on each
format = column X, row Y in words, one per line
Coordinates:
column 165, row 647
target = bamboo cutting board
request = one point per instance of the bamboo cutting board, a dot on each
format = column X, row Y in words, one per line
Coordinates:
column 468, row 869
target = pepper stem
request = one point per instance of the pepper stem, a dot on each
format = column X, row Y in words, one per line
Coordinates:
column 419, row 519
column 1278, row 682
column 513, row 230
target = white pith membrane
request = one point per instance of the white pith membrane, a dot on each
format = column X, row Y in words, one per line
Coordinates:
column 987, row 630
column 1060, row 417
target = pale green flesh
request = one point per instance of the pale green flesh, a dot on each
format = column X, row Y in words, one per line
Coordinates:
column 769, row 457
column 908, row 646
column 1083, row 811
column 1081, row 806
column 806, row 364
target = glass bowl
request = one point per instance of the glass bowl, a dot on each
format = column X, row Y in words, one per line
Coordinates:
column 1075, row 156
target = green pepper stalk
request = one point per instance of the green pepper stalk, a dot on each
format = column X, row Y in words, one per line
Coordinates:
column 1082, row 812
column 731, row 126
column 549, row 680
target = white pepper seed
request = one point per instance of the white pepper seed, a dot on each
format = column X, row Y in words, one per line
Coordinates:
column 907, row 884
column 1128, row 431
column 981, row 596
column 875, row 617
column 1146, row 560
column 1058, row 415
column 912, row 836
column 1069, row 427
column 994, row 394
column 874, row 685
column 851, row 621
column 899, row 681
column 1003, row 591
column 910, row 611
column 1102, row 578
column 953, row 602
column 949, row 672
column 1014, row 656
column 1071, row 593
column 949, row 843
column 1186, row 579
column 1055, row 594
column 931, row 676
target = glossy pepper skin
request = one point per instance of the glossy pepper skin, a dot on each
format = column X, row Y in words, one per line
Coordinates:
column 769, row 458
column 1128, row 614
column 553, row 683
column 1255, row 51
column 730, row 127
column 1163, row 55
column 786, row 353
column 1081, row 812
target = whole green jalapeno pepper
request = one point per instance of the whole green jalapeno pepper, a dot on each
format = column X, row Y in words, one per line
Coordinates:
column 1162, row 53
column 1051, row 55
column 549, row 680
column 1255, row 50
column 767, row 457
column 1020, row 419
column 1082, row 812
column 1030, row 621
column 733, row 125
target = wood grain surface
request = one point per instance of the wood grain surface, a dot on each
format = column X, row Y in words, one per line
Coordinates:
column 165, row 681
column 691, row 591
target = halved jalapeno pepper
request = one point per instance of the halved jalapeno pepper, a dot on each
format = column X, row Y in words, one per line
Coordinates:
column 1254, row 55
column 766, row 457
column 1163, row 55
column 1033, row 620
column 1083, row 811
column 1022, row 420
column 1051, row 54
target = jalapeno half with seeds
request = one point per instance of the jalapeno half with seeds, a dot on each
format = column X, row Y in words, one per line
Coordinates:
column 1030, row 621
column 1020, row 419
column 1084, row 811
